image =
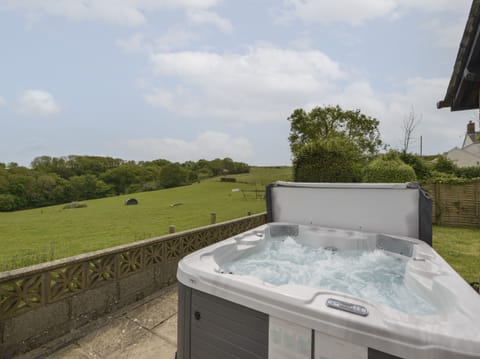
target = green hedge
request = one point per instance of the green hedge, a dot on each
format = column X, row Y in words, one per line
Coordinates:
column 332, row 160
column 389, row 169
column 419, row 165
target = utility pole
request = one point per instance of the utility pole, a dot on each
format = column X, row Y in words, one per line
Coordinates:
column 421, row 145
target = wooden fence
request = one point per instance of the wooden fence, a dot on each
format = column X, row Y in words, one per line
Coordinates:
column 455, row 205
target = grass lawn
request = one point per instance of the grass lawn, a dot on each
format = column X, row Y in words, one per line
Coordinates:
column 41, row 234
column 460, row 247
column 36, row 235
column 262, row 176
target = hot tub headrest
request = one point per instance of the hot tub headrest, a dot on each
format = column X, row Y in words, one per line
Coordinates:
column 402, row 209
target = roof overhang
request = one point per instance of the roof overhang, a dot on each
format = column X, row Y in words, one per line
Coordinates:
column 464, row 87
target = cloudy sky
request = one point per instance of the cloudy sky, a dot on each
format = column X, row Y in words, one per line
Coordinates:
column 191, row 79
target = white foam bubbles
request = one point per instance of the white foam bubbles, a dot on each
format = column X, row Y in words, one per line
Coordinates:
column 372, row 275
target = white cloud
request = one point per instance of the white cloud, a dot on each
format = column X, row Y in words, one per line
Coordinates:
column 260, row 85
column 123, row 12
column 360, row 95
column 174, row 38
column 435, row 5
column 210, row 17
column 441, row 129
column 447, row 34
column 135, row 43
column 268, row 83
column 208, row 145
column 37, row 103
column 351, row 11
column 3, row 102
column 356, row 12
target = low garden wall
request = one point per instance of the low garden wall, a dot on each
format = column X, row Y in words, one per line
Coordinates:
column 45, row 301
column 455, row 205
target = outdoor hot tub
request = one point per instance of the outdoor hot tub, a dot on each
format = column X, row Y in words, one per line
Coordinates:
column 307, row 290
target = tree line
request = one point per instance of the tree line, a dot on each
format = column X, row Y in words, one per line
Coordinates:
column 55, row 180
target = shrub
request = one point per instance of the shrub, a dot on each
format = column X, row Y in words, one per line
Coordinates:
column 419, row 165
column 443, row 164
column 468, row 172
column 332, row 160
column 449, row 178
column 389, row 169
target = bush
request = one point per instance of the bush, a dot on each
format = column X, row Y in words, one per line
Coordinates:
column 419, row 165
column 389, row 169
column 449, row 178
column 443, row 164
column 332, row 160
column 468, row 172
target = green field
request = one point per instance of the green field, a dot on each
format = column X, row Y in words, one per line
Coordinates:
column 45, row 233
column 32, row 236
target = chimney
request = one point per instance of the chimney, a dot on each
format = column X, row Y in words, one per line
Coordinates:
column 471, row 128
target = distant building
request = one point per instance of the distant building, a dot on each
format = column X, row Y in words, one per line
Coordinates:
column 469, row 154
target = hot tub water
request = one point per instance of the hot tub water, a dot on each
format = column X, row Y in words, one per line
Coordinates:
column 376, row 275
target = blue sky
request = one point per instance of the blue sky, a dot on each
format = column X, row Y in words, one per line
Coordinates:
column 191, row 79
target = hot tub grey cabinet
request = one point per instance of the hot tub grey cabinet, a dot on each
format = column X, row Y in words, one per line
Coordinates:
column 213, row 328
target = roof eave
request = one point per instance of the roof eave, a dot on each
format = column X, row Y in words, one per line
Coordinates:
column 458, row 96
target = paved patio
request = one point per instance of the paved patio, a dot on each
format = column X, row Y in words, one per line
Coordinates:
column 141, row 331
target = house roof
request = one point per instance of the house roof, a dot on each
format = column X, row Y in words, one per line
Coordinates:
column 474, row 136
column 463, row 89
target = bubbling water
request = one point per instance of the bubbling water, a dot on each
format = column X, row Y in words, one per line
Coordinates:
column 372, row 275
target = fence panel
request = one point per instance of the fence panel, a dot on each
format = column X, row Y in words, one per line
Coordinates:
column 455, row 205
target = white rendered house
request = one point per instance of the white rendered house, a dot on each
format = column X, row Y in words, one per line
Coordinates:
column 469, row 154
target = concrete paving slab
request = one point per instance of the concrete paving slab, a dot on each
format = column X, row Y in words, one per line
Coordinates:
column 167, row 330
column 156, row 311
column 72, row 352
column 148, row 347
column 119, row 334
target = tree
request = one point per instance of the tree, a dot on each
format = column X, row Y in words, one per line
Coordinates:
column 322, row 123
column 409, row 125
column 84, row 187
column 8, row 202
column 173, row 175
column 120, row 178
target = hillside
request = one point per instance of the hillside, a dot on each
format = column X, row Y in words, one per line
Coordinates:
column 41, row 234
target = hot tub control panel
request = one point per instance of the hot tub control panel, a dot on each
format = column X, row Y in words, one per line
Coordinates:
column 347, row 307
